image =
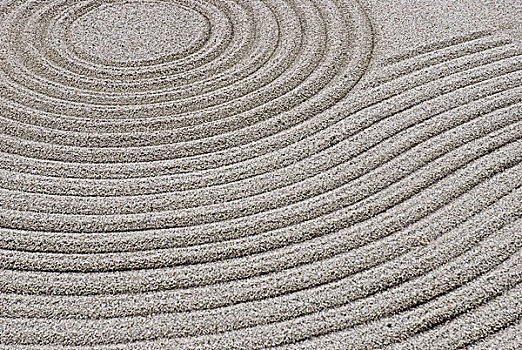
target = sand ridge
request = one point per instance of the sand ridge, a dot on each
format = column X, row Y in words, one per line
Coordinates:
column 272, row 180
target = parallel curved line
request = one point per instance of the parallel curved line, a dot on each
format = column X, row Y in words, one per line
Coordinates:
column 271, row 184
column 503, row 310
column 494, row 45
column 511, row 334
column 419, row 234
column 242, row 220
column 338, row 145
column 511, row 65
column 117, row 282
column 492, row 245
column 435, row 47
column 380, row 330
column 164, row 261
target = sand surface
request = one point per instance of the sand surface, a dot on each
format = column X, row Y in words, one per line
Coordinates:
column 247, row 174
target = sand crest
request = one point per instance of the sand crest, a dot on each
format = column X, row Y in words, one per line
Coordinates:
column 245, row 174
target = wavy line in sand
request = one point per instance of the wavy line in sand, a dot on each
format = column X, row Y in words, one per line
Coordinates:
column 239, row 194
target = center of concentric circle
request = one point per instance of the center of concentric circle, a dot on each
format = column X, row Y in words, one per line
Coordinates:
column 133, row 31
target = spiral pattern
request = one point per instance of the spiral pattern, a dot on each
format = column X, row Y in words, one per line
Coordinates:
column 230, row 174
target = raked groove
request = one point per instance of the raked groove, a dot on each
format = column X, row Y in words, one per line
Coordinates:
column 237, row 175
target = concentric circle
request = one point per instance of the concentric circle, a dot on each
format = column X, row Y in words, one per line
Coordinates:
column 227, row 174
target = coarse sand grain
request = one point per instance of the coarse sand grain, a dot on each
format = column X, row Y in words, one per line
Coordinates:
column 253, row 174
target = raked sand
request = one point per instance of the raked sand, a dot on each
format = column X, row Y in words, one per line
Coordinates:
column 252, row 174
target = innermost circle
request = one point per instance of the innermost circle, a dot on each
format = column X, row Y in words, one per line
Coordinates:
column 133, row 31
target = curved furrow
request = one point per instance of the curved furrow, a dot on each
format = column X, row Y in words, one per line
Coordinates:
column 412, row 237
column 71, row 240
column 503, row 96
column 10, row 127
column 511, row 334
column 147, row 280
column 419, row 234
column 313, row 54
column 266, row 215
column 379, row 334
column 256, row 64
column 163, row 261
column 495, row 44
column 495, row 315
column 434, row 47
column 514, row 94
column 337, row 243
column 236, row 174
column 510, row 65
column 495, row 249
column 187, row 196
column 484, row 42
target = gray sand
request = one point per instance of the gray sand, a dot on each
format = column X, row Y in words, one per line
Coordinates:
column 245, row 174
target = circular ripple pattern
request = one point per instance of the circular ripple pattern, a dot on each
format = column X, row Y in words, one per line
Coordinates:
column 227, row 174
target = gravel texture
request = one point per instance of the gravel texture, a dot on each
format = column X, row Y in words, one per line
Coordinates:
column 252, row 174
